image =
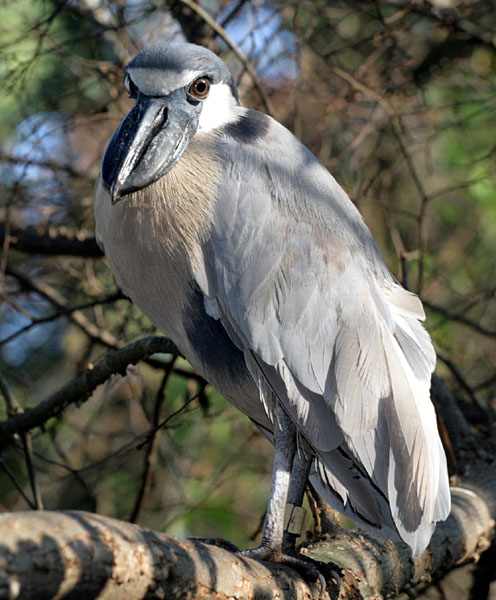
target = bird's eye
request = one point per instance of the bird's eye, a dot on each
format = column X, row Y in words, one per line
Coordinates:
column 130, row 87
column 200, row 88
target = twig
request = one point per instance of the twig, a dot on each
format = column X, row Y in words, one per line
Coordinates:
column 128, row 447
column 62, row 313
column 51, row 165
column 452, row 21
column 221, row 32
column 14, row 409
column 18, row 487
column 10, row 403
column 235, row 10
column 215, row 480
column 51, row 242
column 460, row 319
column 163, row 423
column 5, row 242
column 485, row 383
column 461, row 380
column 151, row 451
column 457, row 426
column 78, row 318
column 396, row 129
column 28, row 454
column 15, row 305
column 80, row 389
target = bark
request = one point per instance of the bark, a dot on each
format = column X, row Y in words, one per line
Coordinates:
column 82, row 555
column 386, row 569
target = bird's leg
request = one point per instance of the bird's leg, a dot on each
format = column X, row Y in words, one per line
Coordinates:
column 285, row 448
column 285, row 463
column 299, row 477
column 290, row 472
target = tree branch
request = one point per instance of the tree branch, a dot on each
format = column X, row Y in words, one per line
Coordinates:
column 52, row 241
column 450, row 18
column 152, row 445
column 80, row 389
column 48, row 554
column 59, row 553
column 77, row 317
column 387, row 569
column 62, row 312
column 460, row 318
column 13, row 409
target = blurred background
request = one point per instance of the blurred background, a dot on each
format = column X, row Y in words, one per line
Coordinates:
column 396, row 98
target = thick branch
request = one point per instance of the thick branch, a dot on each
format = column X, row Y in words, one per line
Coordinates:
column 80, row 389
column 44, row 554
column 387, row 569
column 48, row 554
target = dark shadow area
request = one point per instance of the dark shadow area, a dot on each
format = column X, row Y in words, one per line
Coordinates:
column 484, row 574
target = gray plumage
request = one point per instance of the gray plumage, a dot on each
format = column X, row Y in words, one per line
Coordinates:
column 253, row 259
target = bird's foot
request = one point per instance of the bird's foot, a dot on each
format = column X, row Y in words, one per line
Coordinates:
column 304, row 566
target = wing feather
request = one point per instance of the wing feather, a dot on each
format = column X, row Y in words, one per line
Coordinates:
column 304, row 292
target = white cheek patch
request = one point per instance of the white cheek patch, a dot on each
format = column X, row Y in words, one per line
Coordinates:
column 220, row 108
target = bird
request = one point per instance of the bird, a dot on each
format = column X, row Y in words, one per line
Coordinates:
column 237, row 243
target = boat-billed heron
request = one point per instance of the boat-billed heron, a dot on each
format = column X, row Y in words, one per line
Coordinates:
column 237, row 243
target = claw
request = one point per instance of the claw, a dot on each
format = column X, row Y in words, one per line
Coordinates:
column 262, row 552
column 305, row 567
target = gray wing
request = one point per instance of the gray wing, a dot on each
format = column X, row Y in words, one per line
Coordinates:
column 299, row 284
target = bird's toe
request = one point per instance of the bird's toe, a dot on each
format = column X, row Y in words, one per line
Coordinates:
column 305, row 567
column 219, row 542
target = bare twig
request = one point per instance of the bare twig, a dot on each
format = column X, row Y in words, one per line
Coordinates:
column 233, row 12
column 456, row 424
column 152, row 448
column 12, row 410
column 460, row 318
column 80, row 389
column 17, row 485
column 451, row 20
column 463, row 383
column 163, row 423
column 28, row 453
column 396, row 129
column 64, row 312
column 50, row 165
column 53, row 241
column 77, row 317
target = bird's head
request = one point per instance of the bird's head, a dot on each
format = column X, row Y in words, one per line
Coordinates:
column 180, row 89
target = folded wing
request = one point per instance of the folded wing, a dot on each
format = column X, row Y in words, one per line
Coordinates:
column 301, row 288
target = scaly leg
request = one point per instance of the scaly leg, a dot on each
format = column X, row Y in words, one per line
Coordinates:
column 299, row 477
column 285, row 448
column 271, row 547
